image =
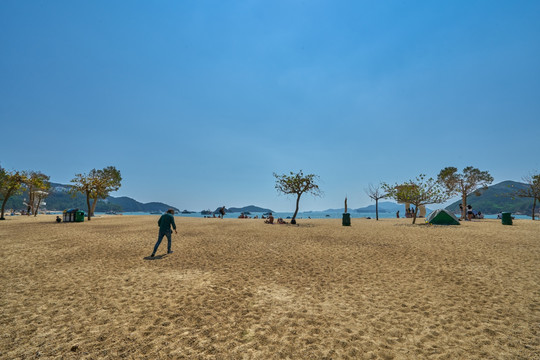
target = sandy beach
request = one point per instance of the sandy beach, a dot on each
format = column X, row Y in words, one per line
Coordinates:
column 242, row 289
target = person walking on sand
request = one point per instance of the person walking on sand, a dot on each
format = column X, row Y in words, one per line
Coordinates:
column 165, row 222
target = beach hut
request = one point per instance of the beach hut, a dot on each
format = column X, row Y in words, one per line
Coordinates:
column 442, row 217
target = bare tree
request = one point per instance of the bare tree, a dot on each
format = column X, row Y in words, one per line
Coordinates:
column 532, row 191
column 376, row 193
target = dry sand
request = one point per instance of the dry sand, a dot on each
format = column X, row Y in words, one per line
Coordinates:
column 241, row 289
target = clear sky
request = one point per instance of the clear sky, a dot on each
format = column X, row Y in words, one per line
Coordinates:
column 197, row 103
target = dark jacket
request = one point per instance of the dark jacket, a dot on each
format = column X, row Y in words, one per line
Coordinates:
column 165, row 222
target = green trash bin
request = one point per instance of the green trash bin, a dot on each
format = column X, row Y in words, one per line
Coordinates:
column 506, row 218
column 79, row 216
column 346, row 221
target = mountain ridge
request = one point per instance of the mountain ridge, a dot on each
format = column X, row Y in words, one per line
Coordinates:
column 498, row 198
column 384, row 207
column 60, row 199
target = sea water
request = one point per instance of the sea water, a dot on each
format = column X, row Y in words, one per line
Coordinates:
column 306, row 215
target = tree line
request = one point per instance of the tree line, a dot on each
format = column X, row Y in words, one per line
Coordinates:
column 95, row 185
column 420, row 191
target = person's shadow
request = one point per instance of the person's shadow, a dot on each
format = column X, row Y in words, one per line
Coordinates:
column 156, row 257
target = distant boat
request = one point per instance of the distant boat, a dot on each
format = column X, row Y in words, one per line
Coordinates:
column 206, row 212
column 155, row 212
column 111, row 212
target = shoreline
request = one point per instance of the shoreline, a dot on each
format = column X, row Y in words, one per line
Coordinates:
column 285, row 215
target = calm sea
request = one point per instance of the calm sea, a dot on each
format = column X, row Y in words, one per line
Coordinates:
column 305, row 215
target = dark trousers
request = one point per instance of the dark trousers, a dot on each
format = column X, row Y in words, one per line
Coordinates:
column 163, row 233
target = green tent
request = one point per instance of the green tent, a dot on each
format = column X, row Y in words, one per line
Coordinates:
column 442, row 217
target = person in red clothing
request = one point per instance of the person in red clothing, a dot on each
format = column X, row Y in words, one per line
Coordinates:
column 165, row 222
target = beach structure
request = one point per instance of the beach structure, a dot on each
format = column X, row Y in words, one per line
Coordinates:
column 421, row 209
column 73, row 215
column 442, row 217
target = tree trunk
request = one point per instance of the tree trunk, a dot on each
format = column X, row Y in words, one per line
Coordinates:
column 293, row 220
column 415, row 212
column 88, row 204
column 8, row 195
column 31, row 200
column 534, row 207
column 464, row 204
column 4, row 205
column 377, row 209
column 37, row 207
column 94, row 206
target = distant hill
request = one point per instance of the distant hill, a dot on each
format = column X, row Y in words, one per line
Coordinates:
column 133, row 205
column 384, row 207
column 498, row 198
column 59, row 199
column 249, row 208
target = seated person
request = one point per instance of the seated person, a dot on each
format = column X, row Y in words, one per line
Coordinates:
column 58, row 220
column 281, row 221
column 270, row 219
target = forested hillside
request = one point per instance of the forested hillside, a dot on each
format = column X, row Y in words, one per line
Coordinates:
column 498, row 198
column 60, row 199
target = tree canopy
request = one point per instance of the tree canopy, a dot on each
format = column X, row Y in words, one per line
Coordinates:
column 418, row 192
column 11, row 183
column 37, row 186
column 97, row 184
column 297, row 184
column 469, row 181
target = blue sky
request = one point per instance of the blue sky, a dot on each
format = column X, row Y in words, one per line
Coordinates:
column 199, row 102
